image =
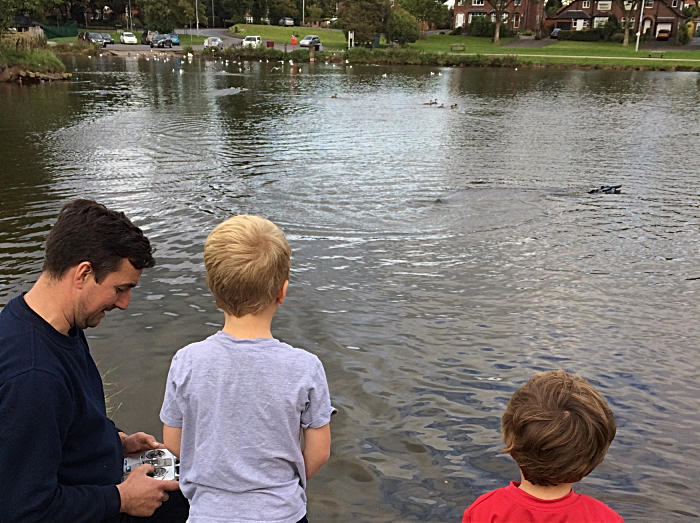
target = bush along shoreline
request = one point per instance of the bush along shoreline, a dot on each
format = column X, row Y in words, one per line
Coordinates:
column 29, row 65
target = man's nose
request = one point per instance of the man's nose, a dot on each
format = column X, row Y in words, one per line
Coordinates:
column 123, row 300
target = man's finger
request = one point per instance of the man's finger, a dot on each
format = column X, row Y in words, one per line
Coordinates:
column 170, row 484
column 144, row 469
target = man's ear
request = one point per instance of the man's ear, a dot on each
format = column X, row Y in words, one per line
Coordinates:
column 81, row 273
column 282, row 293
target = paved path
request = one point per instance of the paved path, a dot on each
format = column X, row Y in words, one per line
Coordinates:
column 531, row 43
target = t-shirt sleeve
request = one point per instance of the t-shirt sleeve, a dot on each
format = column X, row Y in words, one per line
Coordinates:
column 170, row 412
column 35, row 415
column 318, row 409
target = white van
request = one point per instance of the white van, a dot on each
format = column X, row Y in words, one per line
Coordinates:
column 252, row 41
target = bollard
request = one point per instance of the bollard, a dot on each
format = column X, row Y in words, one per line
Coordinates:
column 312, row 51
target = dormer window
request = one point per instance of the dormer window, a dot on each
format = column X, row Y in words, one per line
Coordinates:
column 586, row 4
column 605, row 6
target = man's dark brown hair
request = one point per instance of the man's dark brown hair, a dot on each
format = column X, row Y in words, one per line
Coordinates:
column 557, row 428
column 88, row 231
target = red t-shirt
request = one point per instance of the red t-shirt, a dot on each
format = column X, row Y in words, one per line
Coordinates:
column 512, row 505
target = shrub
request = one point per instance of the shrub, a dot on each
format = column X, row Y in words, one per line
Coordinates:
column 188, row 50
column 527, row 32
column 587, row 35
column 685, row 32
column 482, row 26
column 617, row 38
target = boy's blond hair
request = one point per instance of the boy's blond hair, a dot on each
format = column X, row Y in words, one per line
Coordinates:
column 247, row 263
column 557, row 428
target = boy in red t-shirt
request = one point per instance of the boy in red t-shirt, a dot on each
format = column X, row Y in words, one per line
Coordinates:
column 557, row 428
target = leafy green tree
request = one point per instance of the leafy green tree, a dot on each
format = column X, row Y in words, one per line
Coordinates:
column 235, row 10
column 552, row 6
column 402, row 27
column 501, row 12
column 165, row 15
column 281, row 8
column 431, row 11
column 367, row 18
column 314, row 13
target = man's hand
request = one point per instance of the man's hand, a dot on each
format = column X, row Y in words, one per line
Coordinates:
column 142, row 495
column 139, row 442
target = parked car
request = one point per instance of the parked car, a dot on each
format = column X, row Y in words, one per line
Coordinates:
column 161, row 41
column 128, row 38
column 107, row 38
column 663, row 34
column 92, row 38
column 252, row 41
column 555, row 32
column 147, row 36
column 310, row 41
column 174, row 38
column 286, row 21
column 214, row 41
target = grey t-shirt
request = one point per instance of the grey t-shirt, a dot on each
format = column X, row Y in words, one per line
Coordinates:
column 241, row 405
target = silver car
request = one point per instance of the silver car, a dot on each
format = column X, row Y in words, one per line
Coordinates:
column 214, row 41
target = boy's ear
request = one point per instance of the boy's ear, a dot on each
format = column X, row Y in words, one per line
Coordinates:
column 283, row 293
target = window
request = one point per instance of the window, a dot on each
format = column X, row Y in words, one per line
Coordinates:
column 630, row 5
column 605, row 6
column 674, row 3
column 648, row 4
column 477, row 2
column 516, row 21
column 600, row 21
column 517, row 2
column 586, row 4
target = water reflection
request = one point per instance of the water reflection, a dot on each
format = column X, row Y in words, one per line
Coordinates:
column 440, row 256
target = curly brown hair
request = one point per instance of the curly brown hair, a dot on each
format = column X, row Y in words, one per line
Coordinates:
column 557, row 428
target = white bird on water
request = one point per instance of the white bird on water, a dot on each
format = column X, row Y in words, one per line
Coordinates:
column 384, row 75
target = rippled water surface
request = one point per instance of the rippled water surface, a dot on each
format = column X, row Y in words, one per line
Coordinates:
column 440, row 256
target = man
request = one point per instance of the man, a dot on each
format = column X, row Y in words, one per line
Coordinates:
column 60, row 455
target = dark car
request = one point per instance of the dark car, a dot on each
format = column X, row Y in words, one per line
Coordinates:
column 107, row 38
column 161, row 41
column 555, row 33
column 92, row 38
column 147, row 36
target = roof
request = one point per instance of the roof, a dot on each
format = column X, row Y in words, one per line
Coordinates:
column 573, row 14
column 601, row 14
column 478, row 11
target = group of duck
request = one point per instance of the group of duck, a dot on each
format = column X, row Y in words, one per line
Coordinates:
column 441, row 106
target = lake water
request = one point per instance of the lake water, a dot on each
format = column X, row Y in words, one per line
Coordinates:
column 441, row 257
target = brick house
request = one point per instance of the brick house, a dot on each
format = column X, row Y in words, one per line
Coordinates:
column 657, row 15
column 522, row 14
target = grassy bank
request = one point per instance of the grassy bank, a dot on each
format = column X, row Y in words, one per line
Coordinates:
column 35, row 60
column 473, row 45
column 330, row 38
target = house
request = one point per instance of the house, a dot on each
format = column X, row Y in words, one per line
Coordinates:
column 23, row 23
column 248, row 18
column 585, row 14
column 522, row 14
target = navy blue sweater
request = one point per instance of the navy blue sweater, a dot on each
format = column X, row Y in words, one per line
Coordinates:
column 60, row 455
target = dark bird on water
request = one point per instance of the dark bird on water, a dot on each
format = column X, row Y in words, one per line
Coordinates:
column 606, row 189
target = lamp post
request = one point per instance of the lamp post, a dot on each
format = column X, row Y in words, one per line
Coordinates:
column 212, row 14
column 196, row 11
column 641, row 21
column 131, row 18
column 302, row 13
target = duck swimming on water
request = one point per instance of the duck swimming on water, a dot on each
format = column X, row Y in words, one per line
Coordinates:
column 606, row 189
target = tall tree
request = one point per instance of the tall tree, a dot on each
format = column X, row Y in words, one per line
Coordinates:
column 166, row 15
column 402, row 27
column 367, row 18
column 628, row 7
column 501, row 10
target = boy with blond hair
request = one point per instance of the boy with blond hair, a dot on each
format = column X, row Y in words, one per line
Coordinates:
column 236, row 403
column 558, row 429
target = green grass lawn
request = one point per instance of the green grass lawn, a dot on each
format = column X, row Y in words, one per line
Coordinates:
column 184, row 39
column 330, row 38
column 473, row 45
column 38, row 60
